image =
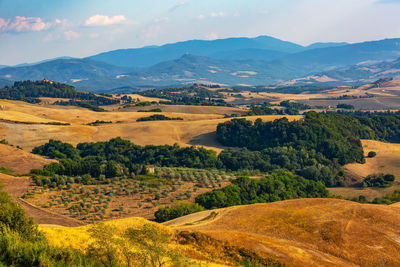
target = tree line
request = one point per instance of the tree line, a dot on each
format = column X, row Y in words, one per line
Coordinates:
column 30, row 91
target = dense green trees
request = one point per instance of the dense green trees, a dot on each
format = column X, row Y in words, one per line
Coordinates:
column 120, row 157
column 158, row 117
column 335, row 136
column 279, row 185
column 191, row 95
column 345, row 106
column 379, row 180
column 314, row 148
column 293, row 105
column 31, row 90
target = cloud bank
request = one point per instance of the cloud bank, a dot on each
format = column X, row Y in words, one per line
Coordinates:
column 23, row 24
column 102, row 20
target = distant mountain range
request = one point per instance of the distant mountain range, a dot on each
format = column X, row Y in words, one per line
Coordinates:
column 149, row 56
column 355, row 74
column 235, row 61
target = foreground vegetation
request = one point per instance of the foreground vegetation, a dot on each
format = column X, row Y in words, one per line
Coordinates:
column 22, row 244
column 139, row 244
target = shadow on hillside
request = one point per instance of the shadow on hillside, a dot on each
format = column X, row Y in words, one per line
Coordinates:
column 207, row 139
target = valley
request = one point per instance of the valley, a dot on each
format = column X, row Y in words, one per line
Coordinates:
column 268, row 153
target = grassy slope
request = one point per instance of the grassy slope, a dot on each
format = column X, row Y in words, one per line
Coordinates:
column 386, row 161
column 196, row 129
column 19, row 161
column 212, row 253
column 305, row 232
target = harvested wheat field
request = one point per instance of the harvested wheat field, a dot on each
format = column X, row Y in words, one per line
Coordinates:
column 307, row 232
column 387, row 160
column 19, row 161
column 195, row 129
column 190, row 109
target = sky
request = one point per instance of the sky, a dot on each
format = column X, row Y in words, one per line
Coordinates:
column 34, row 30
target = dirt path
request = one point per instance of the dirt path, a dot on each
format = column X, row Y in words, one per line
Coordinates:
column 17, row 186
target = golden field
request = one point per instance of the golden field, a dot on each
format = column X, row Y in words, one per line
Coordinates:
column 307, row 232
column 195, row 129
column 387, row 160
column 20, row 161
column 213, row 254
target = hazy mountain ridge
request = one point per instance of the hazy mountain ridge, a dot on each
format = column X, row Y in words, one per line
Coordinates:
column 63, row 70
column 148, row 56
column 233, row 61
column 355, row 74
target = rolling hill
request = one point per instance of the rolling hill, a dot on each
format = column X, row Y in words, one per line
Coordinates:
column 195, row 129
column 20, row 161
column 306, row 232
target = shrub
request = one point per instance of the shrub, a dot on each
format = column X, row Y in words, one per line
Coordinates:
column 379, row 180
column 371, row 154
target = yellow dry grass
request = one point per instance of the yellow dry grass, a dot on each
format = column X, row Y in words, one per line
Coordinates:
column 144, row 98
column 79, row 238
column 21, row 162
column 387, row 160
column 16, row 116
column 196, row 129
column 308, row 232
column 192, row 109
column 278, row 97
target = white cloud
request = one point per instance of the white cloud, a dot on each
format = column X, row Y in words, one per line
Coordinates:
column 23, row 24
column 201, row 16
column 101, row 20
column 62, row 22
column 69, row 35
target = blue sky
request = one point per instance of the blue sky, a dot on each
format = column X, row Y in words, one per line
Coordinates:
column 33, row 30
